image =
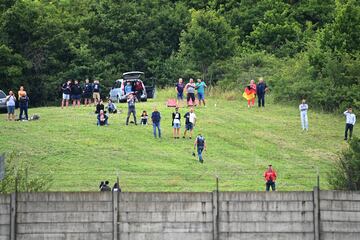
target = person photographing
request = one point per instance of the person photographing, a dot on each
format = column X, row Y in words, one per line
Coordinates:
column 350, row 122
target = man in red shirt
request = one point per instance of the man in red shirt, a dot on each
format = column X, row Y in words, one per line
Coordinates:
column 270, row 177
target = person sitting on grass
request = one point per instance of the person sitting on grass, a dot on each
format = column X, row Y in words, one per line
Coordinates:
column 76, row 91
column 105, row 187
column 102, row 119
column 111, row 107
column 270, row 177
column 176, row 116
column 200, row 143
column 144, row 118
column 99, row 106
column 190, row 120
column 156, row 118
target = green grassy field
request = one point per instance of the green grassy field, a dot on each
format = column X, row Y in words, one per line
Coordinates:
column 241, row 143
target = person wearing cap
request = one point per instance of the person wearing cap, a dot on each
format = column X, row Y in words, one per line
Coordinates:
column 270, row 178
column 176, row 116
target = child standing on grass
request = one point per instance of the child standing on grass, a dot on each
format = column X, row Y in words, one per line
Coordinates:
column 156, row 118
column 303, row 108
column 350, row 122
column 144, row 118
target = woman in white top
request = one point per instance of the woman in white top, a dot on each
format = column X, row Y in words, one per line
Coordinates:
column 10, row 104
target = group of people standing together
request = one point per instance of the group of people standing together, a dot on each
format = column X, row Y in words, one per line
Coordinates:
column 258, row 91
column 75, row 92
column 190, row 88
column 23, row 105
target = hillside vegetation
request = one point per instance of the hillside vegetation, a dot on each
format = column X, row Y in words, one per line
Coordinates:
column 241, row 143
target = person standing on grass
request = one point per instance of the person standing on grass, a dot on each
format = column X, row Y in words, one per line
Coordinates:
column 23, row 103
column 180, row 90
column 100, row 106
column 76, row 91
column 350, row 122
column 156, row 118
column 10, row 104
column 261, row 89
column 131, row 108
column 303, row 108
column 190, row 120
column 270, row 178
column 96, row 91
column 200, row 143
column 190, row 90
column 200, row 86
column 87, row 92
column 66, row 89
column 176, row 116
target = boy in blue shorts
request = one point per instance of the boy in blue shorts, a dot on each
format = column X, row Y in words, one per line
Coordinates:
column 200, row 86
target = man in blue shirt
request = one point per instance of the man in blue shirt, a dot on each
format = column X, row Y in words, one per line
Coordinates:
column 200, row 86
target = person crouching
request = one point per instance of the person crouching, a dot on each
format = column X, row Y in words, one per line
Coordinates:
column 102, row 119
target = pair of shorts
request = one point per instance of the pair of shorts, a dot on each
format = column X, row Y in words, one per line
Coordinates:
column 87, row 95
column 76, row 97
column 201, row 96
column 189, row 126
column 176, row 125
column 96, row 95
column 66, row 96
column 11, row 109
column 180, row 96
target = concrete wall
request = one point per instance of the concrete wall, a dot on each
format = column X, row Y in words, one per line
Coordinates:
column 5, row 217
column 181, row 216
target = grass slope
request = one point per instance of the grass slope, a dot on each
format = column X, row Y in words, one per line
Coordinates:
column 241, row 143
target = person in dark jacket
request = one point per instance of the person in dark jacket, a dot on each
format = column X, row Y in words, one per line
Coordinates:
column 131, row 108
column 156, row 118
column 76, row 91
column 87, row 92
column 23, row 103
column 261, row 89
column 100, row 106
column 105, row 187
column 66, row 90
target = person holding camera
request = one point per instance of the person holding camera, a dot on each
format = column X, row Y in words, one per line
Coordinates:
column 350, row 122
column 200, row 144
column 131, row 108
column 23, row 103
column 10, row 104
column 270, row 178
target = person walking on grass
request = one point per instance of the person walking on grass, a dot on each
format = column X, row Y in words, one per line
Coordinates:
column 76, row 91
column 200, row 86
column 96, row 91
column 190, row 90
column 87, row 92
column 156, row 118
column 350, row 122
column 176, row 116
column 261, row 89
column 66, row 90
column 180, row 90
column 10, row 104
column 270, row 178
column 200, row 144
column 190, row 120
column 303, row 108
column 131, row 108
column 23, row 103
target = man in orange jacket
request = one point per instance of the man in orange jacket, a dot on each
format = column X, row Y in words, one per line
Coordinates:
column 270, row 178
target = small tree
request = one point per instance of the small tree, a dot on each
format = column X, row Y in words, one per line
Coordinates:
column 16, row 167
column 346, row 173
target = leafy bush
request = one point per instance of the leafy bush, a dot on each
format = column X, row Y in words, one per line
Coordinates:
column 346, row 173
column 26, row 182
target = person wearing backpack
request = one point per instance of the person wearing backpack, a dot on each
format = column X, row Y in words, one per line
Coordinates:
column 200, row 144
column 131, row 108
column 23, row 103
column 270, row 178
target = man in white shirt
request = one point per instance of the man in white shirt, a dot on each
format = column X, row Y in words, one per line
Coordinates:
column 350, row 122
column 303, row 108
column 190, row 120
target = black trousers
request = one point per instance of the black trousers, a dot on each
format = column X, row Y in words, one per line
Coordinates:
column 348, row 127
column 131, row 110
column 261, row 100
column 191, row 96
column 270, row 184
